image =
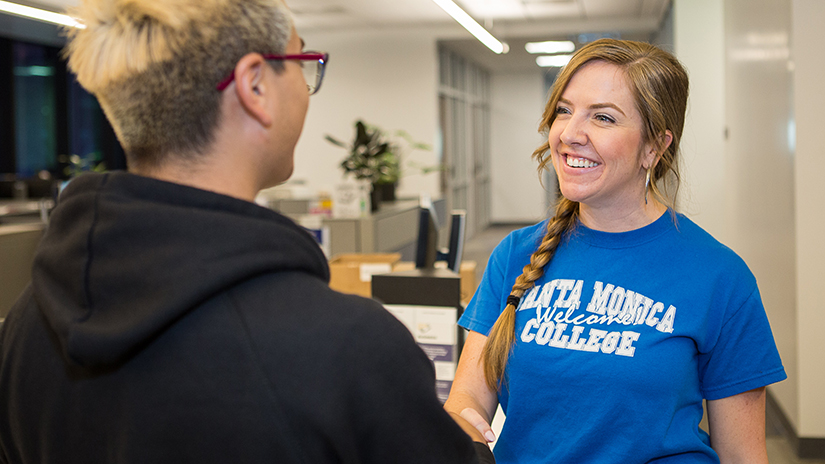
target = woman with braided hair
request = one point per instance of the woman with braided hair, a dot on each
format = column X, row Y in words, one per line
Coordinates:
column 601, row 330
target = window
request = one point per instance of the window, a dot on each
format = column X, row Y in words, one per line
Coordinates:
column 35, row 108
column 45, row 113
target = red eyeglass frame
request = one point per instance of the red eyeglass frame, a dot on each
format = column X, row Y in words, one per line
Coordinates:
column 312, row 56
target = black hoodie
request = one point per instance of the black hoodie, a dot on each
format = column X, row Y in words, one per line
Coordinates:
column 169, row 324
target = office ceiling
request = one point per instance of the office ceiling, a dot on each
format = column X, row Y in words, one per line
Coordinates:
column 513, row 21
column 511, row 14
column 506, row 15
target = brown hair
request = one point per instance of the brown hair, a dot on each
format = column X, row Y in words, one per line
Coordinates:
column 154, row 65
column 659, row 85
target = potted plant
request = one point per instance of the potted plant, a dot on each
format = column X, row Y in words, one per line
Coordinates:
column 76, row 165
column 374, row 156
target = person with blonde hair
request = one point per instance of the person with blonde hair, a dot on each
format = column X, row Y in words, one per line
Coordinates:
column 170, row 319
column 601, row 330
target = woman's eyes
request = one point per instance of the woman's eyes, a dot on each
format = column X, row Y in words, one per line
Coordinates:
column 601, row 117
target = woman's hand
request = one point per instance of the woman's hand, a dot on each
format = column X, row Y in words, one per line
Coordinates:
column 477, row 420
column 471, row 403
column 468, row 428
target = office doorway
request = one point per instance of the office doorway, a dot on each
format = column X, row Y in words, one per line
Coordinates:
column 464, row 122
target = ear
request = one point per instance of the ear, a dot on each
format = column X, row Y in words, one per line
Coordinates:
column 656, row 149
column 251, row 89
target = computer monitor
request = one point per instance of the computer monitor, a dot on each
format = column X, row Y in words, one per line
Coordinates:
column 456, row 247
column 427, row 252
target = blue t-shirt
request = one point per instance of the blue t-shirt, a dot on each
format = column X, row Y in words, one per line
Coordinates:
column 619, row 342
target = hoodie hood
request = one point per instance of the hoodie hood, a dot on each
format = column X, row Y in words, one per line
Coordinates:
column 125, row 256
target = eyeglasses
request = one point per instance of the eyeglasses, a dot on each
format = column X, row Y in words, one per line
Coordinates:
column 312, row 65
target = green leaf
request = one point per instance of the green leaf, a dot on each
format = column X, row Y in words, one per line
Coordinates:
column 335, row 141
column 361, row 136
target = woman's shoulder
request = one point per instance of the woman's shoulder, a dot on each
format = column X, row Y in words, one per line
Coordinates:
column 693, row 232
column 706, row 248
column 526, row 238
column 514, row 250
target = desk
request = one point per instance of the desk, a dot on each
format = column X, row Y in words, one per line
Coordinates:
column 24, row 211
column 17, row 246
column 21, row 227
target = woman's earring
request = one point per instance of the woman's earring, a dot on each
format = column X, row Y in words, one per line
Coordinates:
column 647, row 183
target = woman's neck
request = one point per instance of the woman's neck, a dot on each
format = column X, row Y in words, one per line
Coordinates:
column 621, row 220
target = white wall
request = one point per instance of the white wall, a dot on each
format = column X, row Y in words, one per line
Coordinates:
column 754, row 189
column 387, row 78
column 516, row 108
column 808, row 35
column 390, row 79
column 760, row 165
column 703, row 145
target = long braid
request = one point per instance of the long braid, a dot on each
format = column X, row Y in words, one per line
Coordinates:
column 502, row 335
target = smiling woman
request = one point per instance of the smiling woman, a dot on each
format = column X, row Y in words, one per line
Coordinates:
column 586, row 369
column 606, row 75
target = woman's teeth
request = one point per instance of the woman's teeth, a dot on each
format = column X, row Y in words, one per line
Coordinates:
column 580, row 163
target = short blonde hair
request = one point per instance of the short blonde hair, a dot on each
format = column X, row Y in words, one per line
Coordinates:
column 154, row 65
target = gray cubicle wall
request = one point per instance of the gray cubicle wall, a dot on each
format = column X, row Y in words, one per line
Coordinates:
column 393, row 228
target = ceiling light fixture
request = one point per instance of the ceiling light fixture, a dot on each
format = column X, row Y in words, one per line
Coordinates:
column 472, row 26
column 550, row 46
column 553, row 61
column 39, row 15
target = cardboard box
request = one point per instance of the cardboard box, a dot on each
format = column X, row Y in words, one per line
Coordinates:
column 352, row 272
column 467, row 273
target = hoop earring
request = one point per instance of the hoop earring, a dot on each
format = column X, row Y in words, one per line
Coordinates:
column 647, row 184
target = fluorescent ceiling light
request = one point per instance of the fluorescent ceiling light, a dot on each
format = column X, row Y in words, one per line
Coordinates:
column 472, row 26
column 551, row 46
column 556, row 61
column 39, row 15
